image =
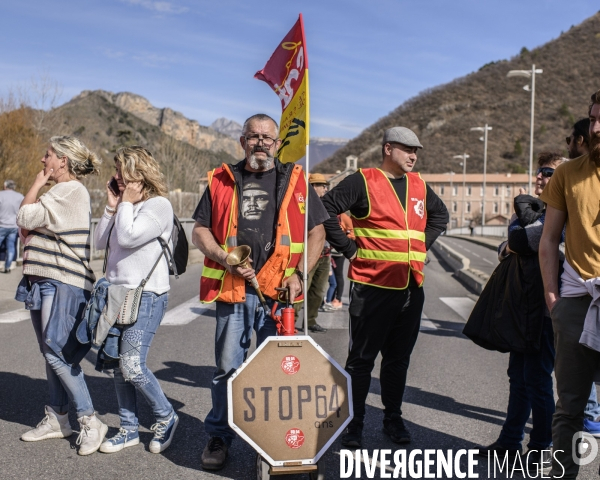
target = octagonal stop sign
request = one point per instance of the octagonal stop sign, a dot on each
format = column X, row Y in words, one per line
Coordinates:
column 290, row 400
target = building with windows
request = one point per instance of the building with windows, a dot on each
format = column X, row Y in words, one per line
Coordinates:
column 465, row 205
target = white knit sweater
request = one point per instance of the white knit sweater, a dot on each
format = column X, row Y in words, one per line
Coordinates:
column 58, row 244
column 133, row 246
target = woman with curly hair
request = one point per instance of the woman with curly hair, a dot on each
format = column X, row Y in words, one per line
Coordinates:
column 57, row 282
column 133, row 219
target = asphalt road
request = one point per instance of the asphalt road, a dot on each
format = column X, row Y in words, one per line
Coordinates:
column 455, row 398
column 482, row 258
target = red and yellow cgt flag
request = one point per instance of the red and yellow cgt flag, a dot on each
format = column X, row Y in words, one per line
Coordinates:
column 287, row 74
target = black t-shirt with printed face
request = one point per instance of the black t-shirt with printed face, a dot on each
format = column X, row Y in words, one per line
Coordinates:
column 258, row 213
column 257, row 219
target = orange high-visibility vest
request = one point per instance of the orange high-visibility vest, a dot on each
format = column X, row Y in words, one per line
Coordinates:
column 216, row 283
column 391, row 241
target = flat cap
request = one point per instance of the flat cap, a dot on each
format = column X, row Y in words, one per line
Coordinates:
column 402, row 135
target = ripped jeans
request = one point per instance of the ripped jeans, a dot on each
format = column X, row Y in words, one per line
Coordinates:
column 133, row 376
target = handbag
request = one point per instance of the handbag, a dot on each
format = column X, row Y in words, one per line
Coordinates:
column 128, row 311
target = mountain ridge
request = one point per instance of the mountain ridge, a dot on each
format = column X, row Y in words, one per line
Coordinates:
column 442, row 116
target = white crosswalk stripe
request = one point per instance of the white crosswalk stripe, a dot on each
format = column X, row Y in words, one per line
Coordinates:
column 427, row 324
column 192, row 309
column 461, row 305
column 15, row 316
column 186, row 312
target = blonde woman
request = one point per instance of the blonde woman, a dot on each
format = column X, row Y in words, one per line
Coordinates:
column 56, row 285
column 132, row 221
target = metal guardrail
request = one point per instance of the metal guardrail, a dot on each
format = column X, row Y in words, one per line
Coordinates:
column 186, row 223
column 486, row 231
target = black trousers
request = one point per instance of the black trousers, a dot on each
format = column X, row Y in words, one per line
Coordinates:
column 386, row 321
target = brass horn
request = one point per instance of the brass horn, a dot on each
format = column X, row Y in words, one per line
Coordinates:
column 238, row 257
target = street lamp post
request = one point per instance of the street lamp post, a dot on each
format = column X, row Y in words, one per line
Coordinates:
column 529, row 74
column 451, row 173
column 485, row 130
column 463, row 164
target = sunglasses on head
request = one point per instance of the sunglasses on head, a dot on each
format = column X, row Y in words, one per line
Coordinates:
column 545, row 171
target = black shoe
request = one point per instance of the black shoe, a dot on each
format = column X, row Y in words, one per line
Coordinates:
column 316, row 328
column 352, row 436
column 394, row 427
column 214, row 454
column 500, row 451
column 541, row 458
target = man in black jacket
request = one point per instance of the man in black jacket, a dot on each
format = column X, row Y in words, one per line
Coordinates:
column 396, row 219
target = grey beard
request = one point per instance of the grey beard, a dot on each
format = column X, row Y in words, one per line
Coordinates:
column 257, row 164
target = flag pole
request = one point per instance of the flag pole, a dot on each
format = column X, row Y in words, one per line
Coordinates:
column 305, row 256
column 307, row 139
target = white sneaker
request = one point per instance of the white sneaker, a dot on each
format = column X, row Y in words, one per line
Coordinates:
column 52, row 426
column 91, row 435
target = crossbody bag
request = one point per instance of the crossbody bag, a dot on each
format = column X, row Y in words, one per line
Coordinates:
column 128, row 310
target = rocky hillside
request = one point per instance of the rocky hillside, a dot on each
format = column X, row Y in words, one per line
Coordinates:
column 227, row 127
column 104, row 126
column 172, row 123
column 442, row 116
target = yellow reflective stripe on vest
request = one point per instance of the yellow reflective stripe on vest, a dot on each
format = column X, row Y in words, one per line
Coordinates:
column 379, row 255
column 390, row 256
column 297, row 247
column 418, row 256
column 288, row 272
column 213, row 273
column 400, row 234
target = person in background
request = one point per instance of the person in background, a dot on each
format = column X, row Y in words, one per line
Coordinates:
column 529, row 372
column 389, row 205
column 572, row 197
column 10, row 202
column 318, row 277
column 57, row 283
column 129, row 228
column 338, row 260
column 331, row 290
column 579, row 140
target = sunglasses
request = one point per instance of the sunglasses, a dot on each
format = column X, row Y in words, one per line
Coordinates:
column 546, row 172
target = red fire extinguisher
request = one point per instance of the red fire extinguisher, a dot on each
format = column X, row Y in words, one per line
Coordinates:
column 286, row 321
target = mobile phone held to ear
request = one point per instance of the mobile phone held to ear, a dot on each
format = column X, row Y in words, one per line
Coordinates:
column 114, row 187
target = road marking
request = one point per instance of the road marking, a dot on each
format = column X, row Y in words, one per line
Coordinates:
column 427, row 324
column 186, row 312
column 486, row 260
column 461, row 305
column 15, row 316
column 475, row 254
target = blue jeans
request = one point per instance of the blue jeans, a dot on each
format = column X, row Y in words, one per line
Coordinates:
column 592, row 409
column 133, row 376
column 332, row 286
column 530, row 376
column 65, row 382
column 10, row 234
column 235, row 322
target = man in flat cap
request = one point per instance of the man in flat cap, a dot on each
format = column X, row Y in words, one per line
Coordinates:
column 396, row 219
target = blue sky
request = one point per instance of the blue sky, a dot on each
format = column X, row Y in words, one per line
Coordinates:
column 199, row 57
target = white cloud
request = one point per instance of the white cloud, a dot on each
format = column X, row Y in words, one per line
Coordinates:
column 158, row 6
